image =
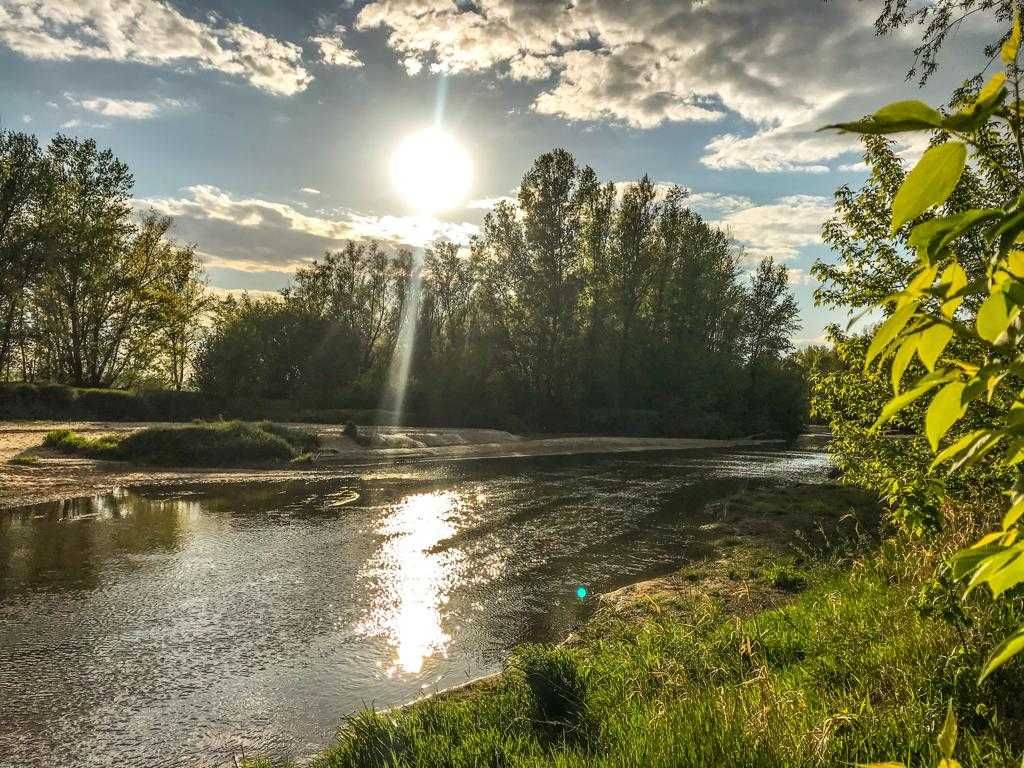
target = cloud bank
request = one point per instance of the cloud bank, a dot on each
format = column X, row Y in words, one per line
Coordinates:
column 772, row 64
column 150, row 32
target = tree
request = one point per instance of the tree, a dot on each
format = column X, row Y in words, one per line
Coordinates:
column 24, row 190
column 772, row 315
column 972, row 352
column 361, row 288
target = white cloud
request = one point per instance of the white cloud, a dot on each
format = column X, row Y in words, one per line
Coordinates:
column 309, row 191
column 799, row 276
column 128, row 109
column 714, row 203
column 255, row 234
column 333, row 51
column 76, row 123
column 26, row 119
column 487, row 203
column 149, row 32
column 646, row 62
column 781, row 228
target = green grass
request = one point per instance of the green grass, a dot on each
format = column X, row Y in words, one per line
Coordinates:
column 850, row 672
column 221, row 444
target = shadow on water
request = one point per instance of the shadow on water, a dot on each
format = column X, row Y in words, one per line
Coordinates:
column 154, row 627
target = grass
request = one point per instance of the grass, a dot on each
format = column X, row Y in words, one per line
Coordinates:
column 195, row 445
column 851, row 665
column 848, row 673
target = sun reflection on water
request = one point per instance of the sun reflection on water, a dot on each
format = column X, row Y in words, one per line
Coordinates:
column 414, row 583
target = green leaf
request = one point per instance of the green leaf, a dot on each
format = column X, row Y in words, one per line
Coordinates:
column 900, row 402
column 947, row 737
column 930, row 183
column 966, row 561
column 930, row 237
column 960, row 446
column 1000, row 571
column 1012, row 45
column 888, row 331
column 994, row 316
column 955, row 280
column 991, row 89
column 946, row 409
column 1014, row 513
column 897, row 117
column 933, row 342
column 902, row 359
column 1005, row 651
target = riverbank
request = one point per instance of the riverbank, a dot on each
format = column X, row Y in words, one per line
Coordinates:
column 799, row 641
column 30, row 474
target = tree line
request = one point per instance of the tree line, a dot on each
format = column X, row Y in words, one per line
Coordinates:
column 581, row 305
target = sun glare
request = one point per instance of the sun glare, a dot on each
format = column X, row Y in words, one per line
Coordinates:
column 432, row 171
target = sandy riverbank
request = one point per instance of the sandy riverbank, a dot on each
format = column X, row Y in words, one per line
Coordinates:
column 52, row 476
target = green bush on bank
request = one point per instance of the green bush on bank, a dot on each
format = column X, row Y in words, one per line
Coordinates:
column 198, row 445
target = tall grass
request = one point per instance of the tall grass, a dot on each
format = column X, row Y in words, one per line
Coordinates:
column 197, row 445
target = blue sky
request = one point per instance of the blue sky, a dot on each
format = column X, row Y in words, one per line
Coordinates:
column 266, row 128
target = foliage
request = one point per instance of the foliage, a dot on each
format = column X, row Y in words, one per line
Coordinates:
column 945, row 299
column 938, row 19
column 88, row 296
column 579, row 307
column 196, row 445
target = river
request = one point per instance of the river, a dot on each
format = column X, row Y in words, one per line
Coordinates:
column 182, row 627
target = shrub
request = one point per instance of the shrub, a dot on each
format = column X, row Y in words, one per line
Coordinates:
column 109, row 405
column 200, row 445
column 67, row 441
column 301, row 440
column 786, row 578
column 558, row 687
column 206, row 445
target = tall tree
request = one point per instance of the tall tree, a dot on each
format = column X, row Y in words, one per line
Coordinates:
column 772, row 315
column 24, row 192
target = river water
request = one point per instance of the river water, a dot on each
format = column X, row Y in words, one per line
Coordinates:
column 182, row 627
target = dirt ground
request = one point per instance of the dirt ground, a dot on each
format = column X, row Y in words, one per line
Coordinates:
column 48, row 476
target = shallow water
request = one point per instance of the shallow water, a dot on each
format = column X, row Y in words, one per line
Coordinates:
column 159, row 628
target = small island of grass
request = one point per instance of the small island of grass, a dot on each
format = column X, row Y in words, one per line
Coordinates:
column 220, row 444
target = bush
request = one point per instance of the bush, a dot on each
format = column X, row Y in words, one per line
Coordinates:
column 200, row 445
column 110, row 405
column 207, row 445
column 558, row 687
column 67, row 441
column 786, row 578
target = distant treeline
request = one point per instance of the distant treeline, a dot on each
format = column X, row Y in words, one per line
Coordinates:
column 580, row 306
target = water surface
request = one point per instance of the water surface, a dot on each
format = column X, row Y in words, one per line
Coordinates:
column 181, row 627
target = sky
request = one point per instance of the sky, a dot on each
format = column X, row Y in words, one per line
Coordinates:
column 266, row 128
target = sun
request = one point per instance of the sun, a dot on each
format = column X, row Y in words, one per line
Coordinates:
column 432, row 171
